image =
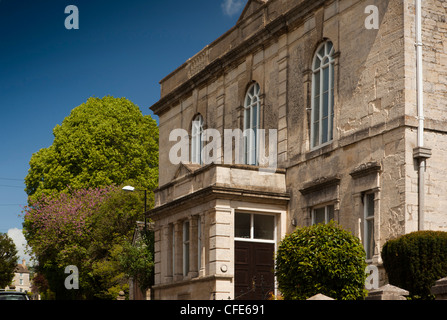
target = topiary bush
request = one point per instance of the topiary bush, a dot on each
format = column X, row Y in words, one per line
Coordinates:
column 323, row 258
column 415, row 261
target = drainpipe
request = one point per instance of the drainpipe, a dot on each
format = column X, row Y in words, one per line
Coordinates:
column 420, row 153
column 419, row 80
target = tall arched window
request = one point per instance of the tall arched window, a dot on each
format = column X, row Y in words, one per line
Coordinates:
column 322, row 95
column 252, row 106
column 196, row 139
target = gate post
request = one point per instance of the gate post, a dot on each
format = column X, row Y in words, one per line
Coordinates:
column 387, row 292
column 440, row 289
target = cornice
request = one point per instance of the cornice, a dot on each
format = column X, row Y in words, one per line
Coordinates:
column 219, row 192
column 366, row 169
column 268, row 33
column 320, row 183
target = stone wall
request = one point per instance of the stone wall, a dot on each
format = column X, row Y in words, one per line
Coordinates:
column 369, row 102
column 369, row 77
column 434, row 33
column 375, row 110
column 369, row 115
column 209, row 196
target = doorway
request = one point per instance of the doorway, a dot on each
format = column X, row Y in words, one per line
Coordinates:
column 254, row 277
column 254, row 256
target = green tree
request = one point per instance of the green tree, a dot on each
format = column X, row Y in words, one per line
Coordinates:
column 76, row 214
column 137, row 260
column 8, row 259
column 102, row 142
column 324, row 259
column 415, row 261
column 114, row 222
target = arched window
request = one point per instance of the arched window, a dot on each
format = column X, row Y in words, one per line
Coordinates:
column 252, row 106
column 322, row 95
column 196, row 139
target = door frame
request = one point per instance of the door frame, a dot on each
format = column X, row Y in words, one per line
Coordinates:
column 276, row 224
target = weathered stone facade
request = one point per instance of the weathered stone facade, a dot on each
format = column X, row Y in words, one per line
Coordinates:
column 371, row 151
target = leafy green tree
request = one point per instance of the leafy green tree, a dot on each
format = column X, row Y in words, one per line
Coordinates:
column 102, row 142
column 115, row 222
column 324, row 259
column 77, row 214
column 8, row 259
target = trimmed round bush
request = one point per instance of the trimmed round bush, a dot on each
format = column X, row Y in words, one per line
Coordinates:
column 415, row 261
column 322, row 258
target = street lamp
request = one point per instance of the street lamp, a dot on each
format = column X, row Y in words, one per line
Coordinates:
column 129, row 188
column 132, row 189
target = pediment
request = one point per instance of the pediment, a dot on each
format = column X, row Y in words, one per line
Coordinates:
column 251, row 7
column 185, row 169
column 320, row 183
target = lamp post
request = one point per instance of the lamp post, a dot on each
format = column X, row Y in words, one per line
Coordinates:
column 132, row 189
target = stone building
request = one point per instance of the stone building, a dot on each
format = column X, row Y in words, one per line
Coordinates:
column 333, row 83
column 21, row 281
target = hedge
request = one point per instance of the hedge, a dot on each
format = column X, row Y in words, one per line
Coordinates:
column 324, row 259
column 415, row 261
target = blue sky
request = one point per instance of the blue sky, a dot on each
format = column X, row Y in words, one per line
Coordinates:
column 122, row 48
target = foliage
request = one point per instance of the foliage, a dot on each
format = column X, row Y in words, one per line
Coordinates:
column 102, row 142
column 137, row 260
column 76, row 214
column 40, row 284
column 415, row 261
column 85, row 228
column 8, row 260
column 324, row 259
column 55, row 223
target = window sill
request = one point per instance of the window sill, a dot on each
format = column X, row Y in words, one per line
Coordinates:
column 185, row 281
column 255, row 240
column 321, row 149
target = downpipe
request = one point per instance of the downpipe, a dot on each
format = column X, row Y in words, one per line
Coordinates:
column 420, row 102
column 420, row 153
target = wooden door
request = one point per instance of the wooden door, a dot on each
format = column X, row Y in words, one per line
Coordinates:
column 254, row 270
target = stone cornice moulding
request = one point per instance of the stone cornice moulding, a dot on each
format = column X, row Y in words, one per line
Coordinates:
column 267, row 34
column 365, row 169
column 320, row 183
column 219, row 192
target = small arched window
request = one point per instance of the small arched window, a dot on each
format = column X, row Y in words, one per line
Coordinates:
column 252, row 106
column 196, row 139
column 322, row 95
